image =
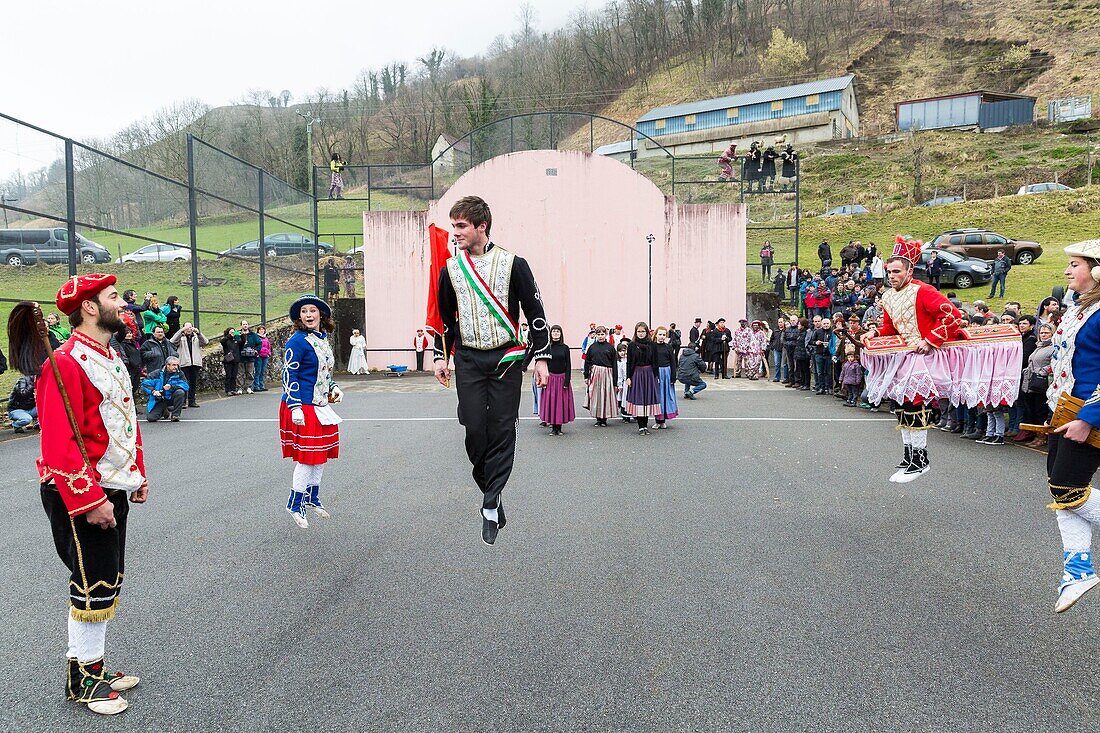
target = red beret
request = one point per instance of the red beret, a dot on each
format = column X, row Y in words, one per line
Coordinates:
column 79, row 288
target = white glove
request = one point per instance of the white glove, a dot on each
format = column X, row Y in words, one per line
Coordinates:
column 335, row 394
column 297, row 416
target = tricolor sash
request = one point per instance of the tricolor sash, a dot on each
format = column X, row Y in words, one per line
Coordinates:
column 498, row 310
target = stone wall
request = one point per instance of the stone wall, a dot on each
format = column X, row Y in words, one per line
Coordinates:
column 212, row 377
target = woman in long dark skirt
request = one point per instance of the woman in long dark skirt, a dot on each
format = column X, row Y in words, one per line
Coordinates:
column 556, row 407
column 642, row 394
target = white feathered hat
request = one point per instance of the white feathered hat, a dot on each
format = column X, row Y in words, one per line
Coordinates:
column 1089, row 248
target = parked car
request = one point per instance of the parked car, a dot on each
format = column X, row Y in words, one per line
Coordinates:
column 1042, row 188
column 983, row 244
column 280, row 244
column 941, row 201
column 48, row 246
column 958, row 271
column 847, row 210
column 158, row 253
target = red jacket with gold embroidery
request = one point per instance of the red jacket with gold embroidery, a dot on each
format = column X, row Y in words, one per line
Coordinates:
column 925, row 313
column 99, row 391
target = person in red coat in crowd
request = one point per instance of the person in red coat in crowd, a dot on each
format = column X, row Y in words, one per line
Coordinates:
column 924, row 317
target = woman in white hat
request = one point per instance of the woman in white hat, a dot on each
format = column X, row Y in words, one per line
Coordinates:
column 1071, row 461
column 308, row 426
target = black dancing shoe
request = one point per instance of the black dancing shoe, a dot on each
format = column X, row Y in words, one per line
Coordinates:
column 489, row 530
column 89, row 685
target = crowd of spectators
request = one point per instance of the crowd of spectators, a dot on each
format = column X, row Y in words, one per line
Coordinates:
column 163, row 360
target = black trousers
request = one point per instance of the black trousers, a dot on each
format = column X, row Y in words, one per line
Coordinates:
column 420, row 361
column 802, row 372
column 170, row 406
column 488, row 407
column 231, row 369
column 191, row 374
column 95, row 557
column 1070, row 467
column 720, row 364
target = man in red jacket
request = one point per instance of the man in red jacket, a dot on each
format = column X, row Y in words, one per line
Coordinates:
column 86, row 483
column 925, row 319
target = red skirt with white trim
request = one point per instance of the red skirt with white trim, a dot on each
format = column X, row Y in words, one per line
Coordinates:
column 312, row 443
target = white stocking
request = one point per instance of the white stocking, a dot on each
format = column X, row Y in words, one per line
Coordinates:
column 302, row 475
column 87, row 639
column 316, row 473
column 1090, row 510
column 1076, row 532
column 907, row 436
column 918, row 438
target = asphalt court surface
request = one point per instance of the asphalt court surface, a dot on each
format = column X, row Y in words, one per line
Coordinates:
column 749, row 574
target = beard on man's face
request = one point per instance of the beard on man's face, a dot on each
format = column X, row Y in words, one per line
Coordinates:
column 109, row 320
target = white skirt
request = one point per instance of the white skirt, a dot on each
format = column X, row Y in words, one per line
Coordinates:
column 357, row 364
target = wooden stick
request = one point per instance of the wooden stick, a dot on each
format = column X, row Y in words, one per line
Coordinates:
column 43, row 333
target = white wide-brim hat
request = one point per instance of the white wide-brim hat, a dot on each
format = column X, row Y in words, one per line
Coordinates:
column 1088, row 248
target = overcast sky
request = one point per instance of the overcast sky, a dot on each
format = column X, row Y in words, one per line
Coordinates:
column 87, row 69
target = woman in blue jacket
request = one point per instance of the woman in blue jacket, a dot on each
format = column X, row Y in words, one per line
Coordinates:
column 1071, row 459
column 308, row 426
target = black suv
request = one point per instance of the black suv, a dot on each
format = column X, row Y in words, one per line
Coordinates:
column 48, row 246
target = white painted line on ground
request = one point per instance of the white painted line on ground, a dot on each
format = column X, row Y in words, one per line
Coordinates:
column 455, row 419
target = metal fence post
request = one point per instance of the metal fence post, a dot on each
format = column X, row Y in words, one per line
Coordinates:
column 263, row 251
column 192, row 222
column 70, row 205
column 797, row 203
column 368, row 188
column 316, row 237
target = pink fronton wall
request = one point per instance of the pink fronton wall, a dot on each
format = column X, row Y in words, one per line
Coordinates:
column 582, row 222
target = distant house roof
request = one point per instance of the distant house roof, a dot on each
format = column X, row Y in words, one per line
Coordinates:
column 821, row 86
column 985, row 94
column 450, row 140
column 623, row 146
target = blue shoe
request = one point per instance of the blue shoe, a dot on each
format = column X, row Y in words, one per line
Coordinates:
column 1078, row 578
column 313, row 501
column 294, row 506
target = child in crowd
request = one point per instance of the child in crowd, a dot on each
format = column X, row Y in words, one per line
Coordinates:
column 995, row 426
column 851, row 374
column 620, row 382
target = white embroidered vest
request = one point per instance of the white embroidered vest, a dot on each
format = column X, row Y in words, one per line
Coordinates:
column 477, row 327
column 901, row 306
column 1065, row 342
column 109, row 376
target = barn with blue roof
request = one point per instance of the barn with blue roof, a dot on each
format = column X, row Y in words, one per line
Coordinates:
column 804, row 113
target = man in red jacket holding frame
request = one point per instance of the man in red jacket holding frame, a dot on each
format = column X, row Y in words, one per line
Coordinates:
column 923, row 317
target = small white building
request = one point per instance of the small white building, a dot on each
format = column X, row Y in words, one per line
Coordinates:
column 621, row 151
column 449, row 152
